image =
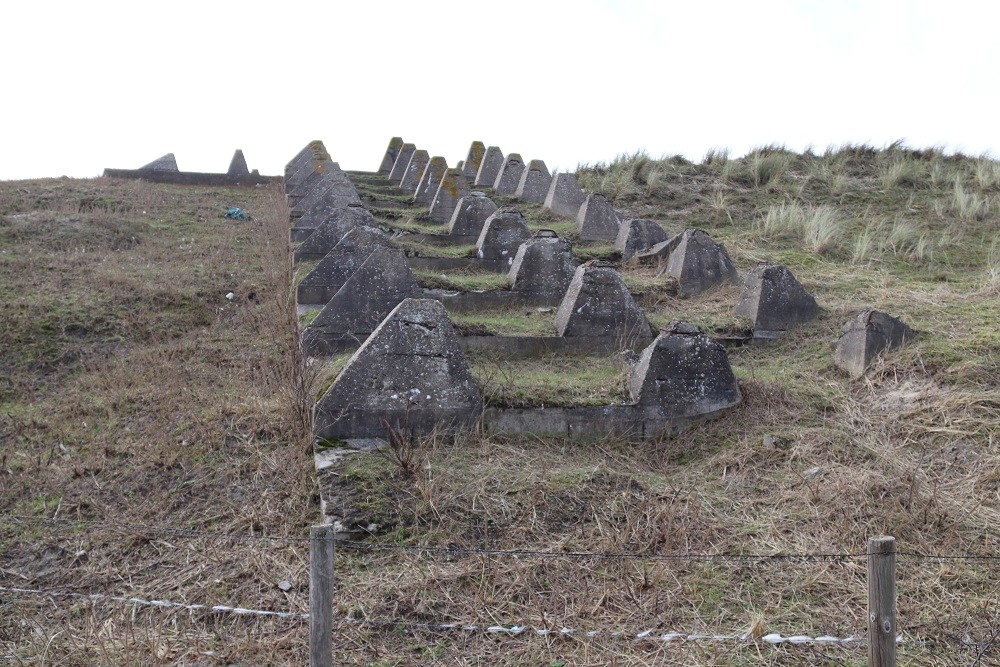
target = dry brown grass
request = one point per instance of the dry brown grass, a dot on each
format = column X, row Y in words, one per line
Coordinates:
column 134, row 392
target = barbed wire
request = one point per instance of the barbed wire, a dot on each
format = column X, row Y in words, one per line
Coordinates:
column 100, row 597
column 513, row 630
column 359, row 546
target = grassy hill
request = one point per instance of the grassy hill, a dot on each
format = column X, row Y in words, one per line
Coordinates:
column 134, row 391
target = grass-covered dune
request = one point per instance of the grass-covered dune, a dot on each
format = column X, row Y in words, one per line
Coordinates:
column 135, row 392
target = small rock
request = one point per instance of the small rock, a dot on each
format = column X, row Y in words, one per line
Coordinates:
column 285, row 585
column 776, row 442
column 230, row 296
column 813, row 473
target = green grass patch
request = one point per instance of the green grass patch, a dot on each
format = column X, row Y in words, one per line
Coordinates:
column 519, row 322
column 551, row 380
column 463, row 281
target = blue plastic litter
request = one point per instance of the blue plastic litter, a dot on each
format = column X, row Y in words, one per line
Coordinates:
column 235, row 213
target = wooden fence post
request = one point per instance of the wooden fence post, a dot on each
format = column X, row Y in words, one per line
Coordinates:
column 321, row 569
column 882, row 602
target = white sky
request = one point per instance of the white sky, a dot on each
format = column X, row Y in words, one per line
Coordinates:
column 94, row 84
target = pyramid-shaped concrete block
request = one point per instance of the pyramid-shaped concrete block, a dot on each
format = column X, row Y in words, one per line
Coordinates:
column 320, row 190
column 635, row 236
column 471, row 214
column 534, row 184
column 320, row 176
column 685, row 373
column 453, row 187
column 328, row 234
column 543, row 268
column 510, row 175
column 490, row 167
column 402, row 161
column 596, row 220
column 339, row 195
column 866, row 336
column 410, row 377
column 503, row 233
column 695, row 261
column 324, row 281
column 430, row 181
column 598, row 303
column 774, row 301
column 414, row 171
column 470, row 167
column 366, row 297
column 391, row 153
column 564, row 197
column 165, row 163
column 238, row 165
column 315, row 154
column 301, row 158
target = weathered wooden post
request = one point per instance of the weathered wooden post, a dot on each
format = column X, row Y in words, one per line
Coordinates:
column 882, row 601
column 321, row 569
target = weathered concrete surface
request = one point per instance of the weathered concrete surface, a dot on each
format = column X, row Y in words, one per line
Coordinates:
column 402, row 161
column 510, row 175
column 544, row 267
column 238, row 165
column 324, row 281
column 490, row 167
column 621, row 422
column 321, row 176
column 774, row 301
column 301, row 158
column 866, row 336
column 596, row 220
column 164, row 170
column 635, row 236
column 599, row 304
column 470, row 167
column 453, row 187
column 471, row 214
column 335, row 187
column 694, row 260
column 503, row 233
column 391, row 153
column 414, row 171
column 410, row 377
column 366, row 297
column 303, row 163
column 165, row 163
column 534, row 184
column 336, row 197
column 685, row 373
column 328, row 234
column 430, row 181
column 564, row 197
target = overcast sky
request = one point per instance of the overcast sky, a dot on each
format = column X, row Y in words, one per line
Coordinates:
column 94, row 84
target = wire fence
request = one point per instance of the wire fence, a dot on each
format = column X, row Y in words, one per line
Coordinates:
column 354, row 545
column 991, row 638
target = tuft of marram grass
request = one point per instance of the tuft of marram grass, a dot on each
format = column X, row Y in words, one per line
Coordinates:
column 819, row 228
column 767, row 168
column 903, row 173
column 968, row 206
